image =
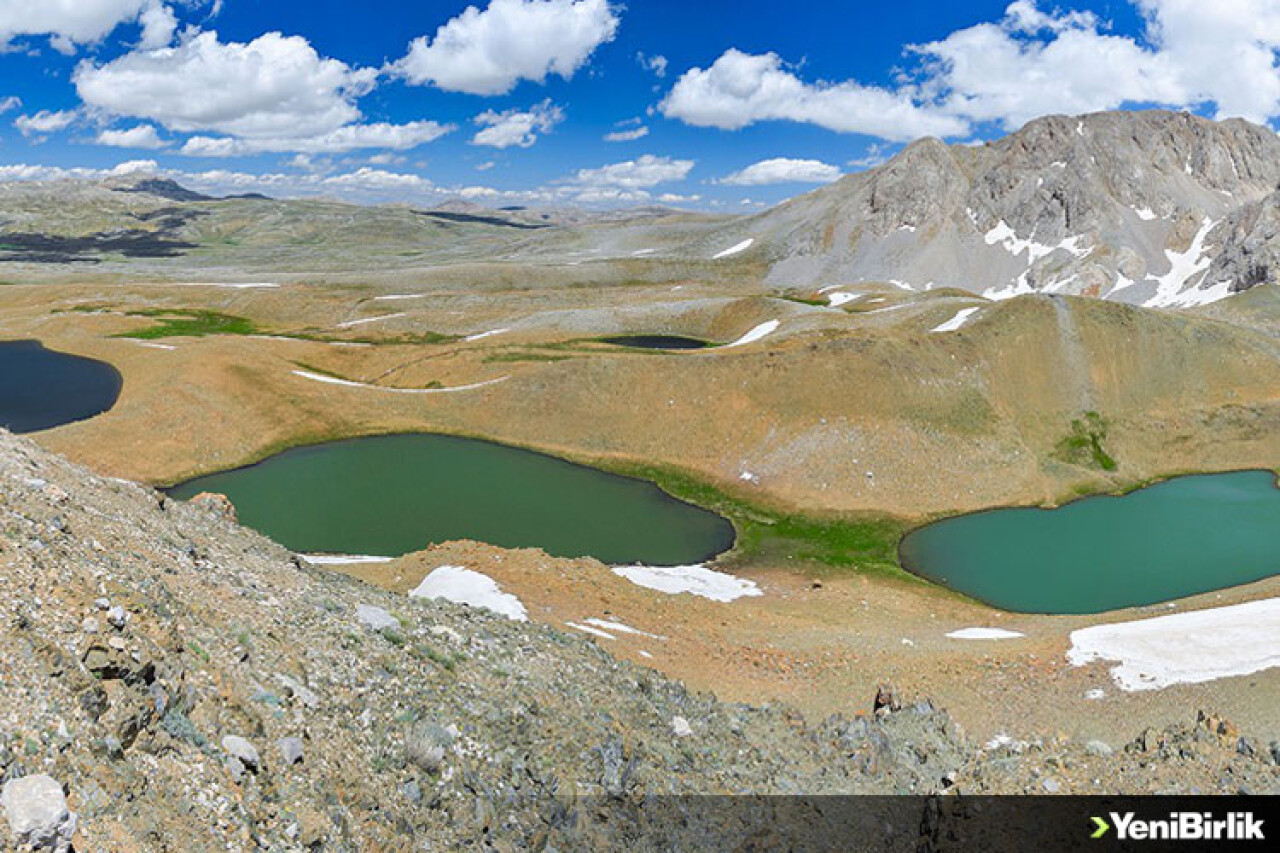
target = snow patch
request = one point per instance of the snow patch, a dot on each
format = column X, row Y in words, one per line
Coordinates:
column 755, row 334
column 984, row 634
column 395, row 297
column 838, row 299
column 1184, row 648
column 619, row 628
column 480, row 336
column 695, row 580
column 587, row 629
column 1183, row 266
column 343, row 559
column 151, row 345
column 733, row 250
column 1146, row 214
column 463, row 586
column 962, row 317
column 347, row 383
column 351, row 324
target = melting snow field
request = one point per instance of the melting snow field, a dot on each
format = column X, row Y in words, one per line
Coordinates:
column 347, row 383
column 1183, row 266
column 1184, row 648
column 962, row 317
column 984, row 634
column 733, row 250
column 838, row 299
column 463, row 586
column 755, row 334
column 695, row 580
column 619, row 628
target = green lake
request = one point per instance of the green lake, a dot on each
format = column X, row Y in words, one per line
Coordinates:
column 1173, row 539
column 391, row 495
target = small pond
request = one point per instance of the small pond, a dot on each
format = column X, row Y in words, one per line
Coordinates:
column 1176, row 538
column 42, row 388
column 656, row 342
column 390, row 495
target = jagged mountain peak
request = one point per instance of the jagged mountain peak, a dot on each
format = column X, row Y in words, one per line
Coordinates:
column 1152, row 207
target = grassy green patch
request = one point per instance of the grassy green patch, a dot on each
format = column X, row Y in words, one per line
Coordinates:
column 867, row 543
column 189, row 323
column 1085, row 444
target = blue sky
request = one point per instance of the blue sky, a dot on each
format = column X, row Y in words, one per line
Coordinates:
column 716, row 105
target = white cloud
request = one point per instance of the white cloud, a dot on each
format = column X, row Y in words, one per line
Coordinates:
column 1031, row 62
column 44, row 122
column 641, row 173
column 12, row 102
column 516, row 127
column 627, row 135
column 141, row 136
column 158, row 26
column 656, row 64
column 274, row 87
column 488, row 52
column 73, row 22
column 133, row 167
column 783, row 170
column 397, row 137
column 740, row 89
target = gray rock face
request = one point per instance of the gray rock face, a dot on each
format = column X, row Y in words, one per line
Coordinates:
column 240, row 749
column 375, row 618
column 290, row 749
column 37, row 813
column 1152, row 207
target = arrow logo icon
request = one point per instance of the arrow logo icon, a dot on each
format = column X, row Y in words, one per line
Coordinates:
column 1102, row 827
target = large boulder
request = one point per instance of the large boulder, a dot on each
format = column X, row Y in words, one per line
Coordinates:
column 37, row 813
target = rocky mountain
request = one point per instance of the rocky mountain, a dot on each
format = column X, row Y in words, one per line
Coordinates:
column 176, row 682
column 1154, row 208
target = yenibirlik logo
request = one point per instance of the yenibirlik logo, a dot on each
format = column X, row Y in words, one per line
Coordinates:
column 1182, row 826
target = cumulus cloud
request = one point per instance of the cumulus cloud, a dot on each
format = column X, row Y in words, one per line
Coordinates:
column 783, row 170
column 516, row 127
column 353, row 137
column 68, row 23
column 141, row 136
column 44, row 122
column 487, row 52
column 627, row 135
column 740, row 89
column 641, row 173
column 1033, row 62
column 272, row 87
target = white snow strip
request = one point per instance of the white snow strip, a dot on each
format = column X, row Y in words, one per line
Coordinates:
column 902, row 285
column 1184, row 648
column 755, row 334
column 1146, row 214
column 733, row 250
column 695, row 580
column 619, row 628
column 353, row 323
column 644, row 654
column 641, row 252
column 1182, row 267
column 342, row 559
column 962, row 317
column 463, row 586
column 347, row 383
column 1005, row 236
column 482, row 335
column 890, row 308
column 984, row 634
column 587, row 629
column 395, row 297
column 151, row 345
column 838, row 299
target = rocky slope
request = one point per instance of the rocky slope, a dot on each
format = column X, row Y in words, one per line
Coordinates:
column 1156, row 208
column 190, row 687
